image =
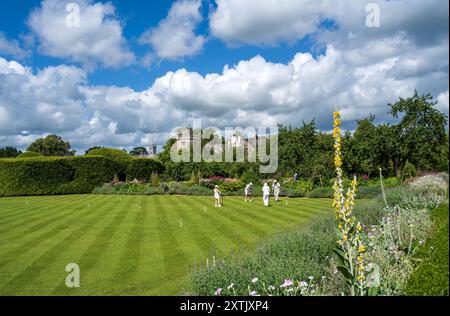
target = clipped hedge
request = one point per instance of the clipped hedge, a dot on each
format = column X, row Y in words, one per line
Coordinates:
column 54, row 175
column 142, row 168
column 431, row 277
column 29, row 154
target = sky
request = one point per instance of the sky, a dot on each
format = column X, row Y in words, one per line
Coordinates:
column 125, row 73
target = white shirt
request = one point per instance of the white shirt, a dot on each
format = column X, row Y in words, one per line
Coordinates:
column 266, row 190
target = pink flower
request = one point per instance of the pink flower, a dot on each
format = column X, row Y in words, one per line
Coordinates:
column 287, row 283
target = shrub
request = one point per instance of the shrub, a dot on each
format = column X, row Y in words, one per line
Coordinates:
column 431, row 278
column 54, row 175
column 121, row 158
column 368, row 192
column 111, row 153
column 298, row 255
column 326, row 192
column 142, row 168
column 29, row 154
column 430, row 184
column 409, row 171
column 302, row 186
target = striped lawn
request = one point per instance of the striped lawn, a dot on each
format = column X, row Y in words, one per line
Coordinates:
column 129, row 245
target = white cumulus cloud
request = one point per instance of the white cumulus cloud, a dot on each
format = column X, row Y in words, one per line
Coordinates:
column 96, row 40
column 175, row 37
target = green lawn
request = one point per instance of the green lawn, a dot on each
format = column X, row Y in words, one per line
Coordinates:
column 128, row 245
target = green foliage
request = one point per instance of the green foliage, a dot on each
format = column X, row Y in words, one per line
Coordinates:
column 422, row 130
column 362, row 192
column 431, row 278
column 171, row 188
column 298, row 255
column 250, row 176
column 120, row 157
column 154, row 179
column 111, row 153
column 9, row 152
column 54, row 175
column 29, row 154
column 325, row 192
column 52, row 145
column 409, row 171
column 302, row 186
column 142, row 169
column 368, row 192
column 139, row 151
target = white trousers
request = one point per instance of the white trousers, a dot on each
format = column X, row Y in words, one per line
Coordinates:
column 266, row 200
column 277, row 196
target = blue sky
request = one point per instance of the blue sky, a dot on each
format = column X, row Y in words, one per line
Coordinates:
column 132, row 71
column 137, row 16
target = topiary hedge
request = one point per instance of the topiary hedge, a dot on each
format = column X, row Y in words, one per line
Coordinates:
column 54, row 175
column 142, row 169
column 29, row 154
column 431, row 278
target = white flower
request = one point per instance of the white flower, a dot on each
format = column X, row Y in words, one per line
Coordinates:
column 303, row 284
column 254, row 280
column 230, row 286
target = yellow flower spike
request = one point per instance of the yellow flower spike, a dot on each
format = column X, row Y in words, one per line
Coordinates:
column 361, row 249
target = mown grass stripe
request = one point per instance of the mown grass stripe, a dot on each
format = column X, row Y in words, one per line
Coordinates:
column 93, row 253
column 253, row 227
column 172, row 253
column 130, row 258
column 31, row 272
column 30, row 241
column 262, row 215
column 198, row 235
column 266, row 215
column 23, row 203
column 29, row 224
column 31, row 210
column 219, row 226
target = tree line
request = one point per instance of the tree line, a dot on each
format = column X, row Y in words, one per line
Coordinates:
column 418, row 141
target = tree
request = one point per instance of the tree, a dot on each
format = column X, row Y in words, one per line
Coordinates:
column 92, row 148
column 51, row 145
column 9, row 152
column 139, row 151
column 421, row 130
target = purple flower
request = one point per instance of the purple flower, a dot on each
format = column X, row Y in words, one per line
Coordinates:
column 252, row 293
column 218, row 292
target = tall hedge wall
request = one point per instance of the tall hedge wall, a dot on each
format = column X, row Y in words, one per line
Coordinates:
column 142, row 168
column 54, row 175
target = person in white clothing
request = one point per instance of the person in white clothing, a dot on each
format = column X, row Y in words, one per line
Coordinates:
column 217, row 195
column 248, row 192
column 276, row 190
column 266, row 194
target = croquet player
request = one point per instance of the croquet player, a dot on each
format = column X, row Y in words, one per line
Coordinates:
column 217, row 195
column 248, row 192
column 266, row 194
column 276, row 190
